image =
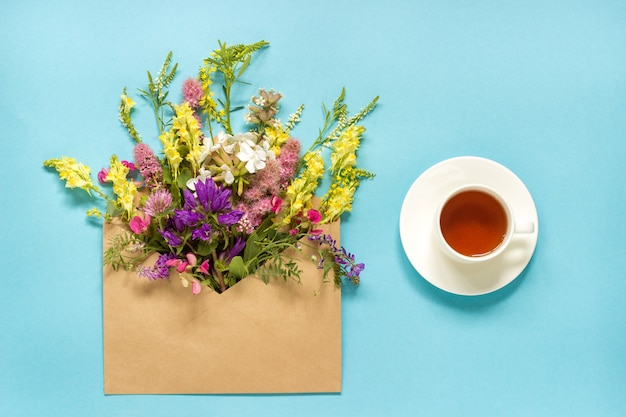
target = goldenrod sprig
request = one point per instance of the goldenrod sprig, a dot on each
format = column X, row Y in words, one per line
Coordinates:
column 231, row 62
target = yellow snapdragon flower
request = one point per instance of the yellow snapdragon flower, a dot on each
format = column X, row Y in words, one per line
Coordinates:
column 344, row 149
column 301, row 190
column 338, row 200
column 172, row 155
column 75, row 174
column 126, row 103
column 187, row 129
column 124, row 189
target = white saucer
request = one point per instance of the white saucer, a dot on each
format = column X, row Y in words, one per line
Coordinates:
column 417, row 223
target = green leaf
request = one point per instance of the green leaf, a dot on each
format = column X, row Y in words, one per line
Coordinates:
column 237, row 268
column 244, row 66
column 183, row 176
column 205, row 249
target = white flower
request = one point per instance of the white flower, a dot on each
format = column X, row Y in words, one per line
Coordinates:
column 254, row 155
column 203, row 174
column 205, row 151
column 229, row 178
column 222, row 141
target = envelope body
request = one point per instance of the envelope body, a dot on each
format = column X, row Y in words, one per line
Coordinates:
column 280, row 337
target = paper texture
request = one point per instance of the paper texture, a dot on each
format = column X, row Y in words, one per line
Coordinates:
column 253, row 338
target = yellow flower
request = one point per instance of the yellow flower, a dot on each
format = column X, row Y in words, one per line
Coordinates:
column 315, row 165
column 188, row 131
column 277, row 136
column 301, row 190
column 185, row 132
column 94, row 212
column 127, row 103
column 207, row 103
column 337, row 201
column 75, row 174
column 344, row 149
column 124, row 189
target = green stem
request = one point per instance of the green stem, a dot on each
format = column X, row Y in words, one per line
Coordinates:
column 227, row 86
column 220, row 278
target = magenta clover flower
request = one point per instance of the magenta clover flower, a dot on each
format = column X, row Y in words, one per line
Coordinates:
column 158, row 202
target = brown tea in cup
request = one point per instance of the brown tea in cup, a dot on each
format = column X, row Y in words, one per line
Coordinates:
column 473, row 223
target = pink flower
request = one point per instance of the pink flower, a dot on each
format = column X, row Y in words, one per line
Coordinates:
column 191, row 258
column 277, row 203
column 129, row 165
column 314, row 216
column 195, row 287
column 288, row 160
column 148, row 164
column 192, row 92
column 204, row 267
column 293, row 232
column 139, row 225
column 178, row 264
column 102, row 175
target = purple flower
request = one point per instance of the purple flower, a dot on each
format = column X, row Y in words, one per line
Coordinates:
column 170, row 237
column 211, row 196
column 236, row 249
column 204, row 232
column 228, row 219
column 190, row 200
column 159, row 270
column 348, row 268
column 183, row 218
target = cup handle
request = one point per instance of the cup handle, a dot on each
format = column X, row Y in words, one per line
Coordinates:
column 525, row 227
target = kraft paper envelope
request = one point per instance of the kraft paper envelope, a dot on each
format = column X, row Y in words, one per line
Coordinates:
column 254, row 338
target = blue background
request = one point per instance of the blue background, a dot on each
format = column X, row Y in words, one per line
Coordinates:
column 538, row 86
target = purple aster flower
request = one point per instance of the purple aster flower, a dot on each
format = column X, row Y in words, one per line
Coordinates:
column 158, row 201
column 212, row 196
column 190, row 200
column 185, row 218
column 230, row 218
column 204, row 232
column 204, row 191
column 170, row 237
column 236, row 249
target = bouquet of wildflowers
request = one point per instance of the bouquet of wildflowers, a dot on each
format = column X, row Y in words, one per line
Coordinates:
column 218, row 205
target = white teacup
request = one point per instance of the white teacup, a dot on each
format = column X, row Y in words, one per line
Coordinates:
column 475, row 224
